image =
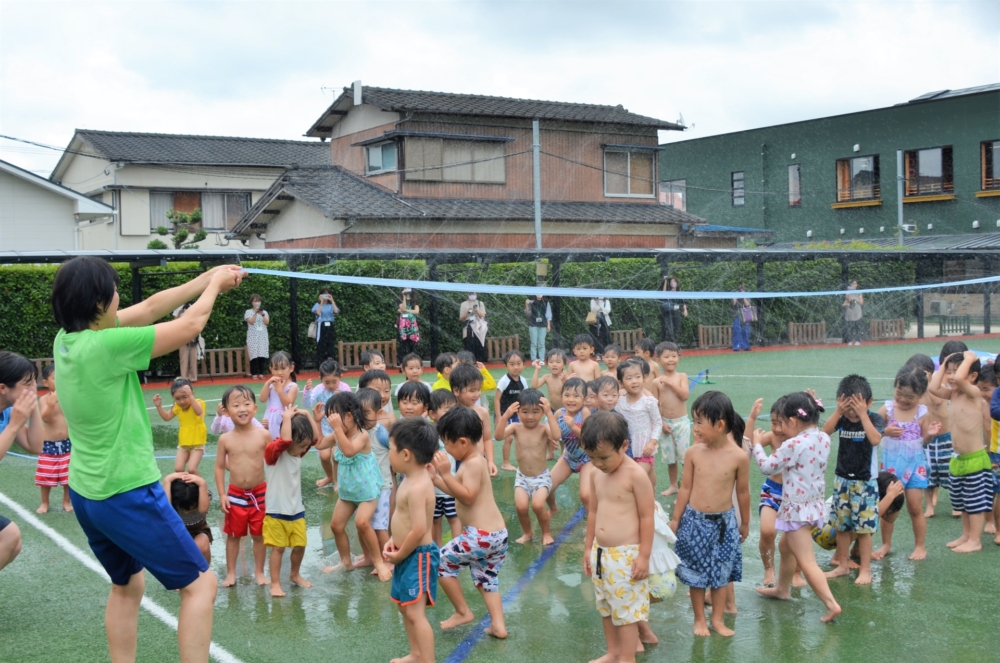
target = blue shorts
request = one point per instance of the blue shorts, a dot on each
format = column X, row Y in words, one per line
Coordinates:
column 3, row 523
column 416, row 575
column 909, row 466
column 994, row 466
column 770, row 495
column 938, row 454
column 139, row 529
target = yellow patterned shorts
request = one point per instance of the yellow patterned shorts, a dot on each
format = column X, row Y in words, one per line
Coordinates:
column 282, row 533
column 624, row 600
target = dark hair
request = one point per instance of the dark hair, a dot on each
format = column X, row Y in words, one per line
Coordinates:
column 950, row 348
column 885, row 479
column 556, row 352
column 465, row 375
column 583, row 339
column 668, row 279
column 855, row 384
column 630, row 363
column 613, row 347
column 48, row 370
column 183, row 495
column 923, row 361
column 954, row 359
column 83, row 287
column 987, row 374
column 912, row 376
column 803, row 407
column 715, row 406
column 466, row 357
column 372, row 375
column 529, row 397
column 413, row 297
column 281, row 358
column 417, row 435
column 575, row 384
column 345, row 402
column 460, row 421
column 608, row 427
column 237, row 389
column 646, row 345
column 410, row 357
column 368, row 355
column 607, row 381
column 329, row 367
column 440, row 398
column 510, row 354
column 414, row 391
column 255, row 298
column 372, row 399
column 14, row 369
column 665, row 347
column 778, row 408
column 302, row 428
column 739, row 430
column 592, row 386
column 178, row 384
column 444, row 360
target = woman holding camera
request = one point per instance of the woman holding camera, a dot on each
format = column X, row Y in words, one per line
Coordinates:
column 258, row 344
column 406, row 323
column 472, row 314
column 325, row 309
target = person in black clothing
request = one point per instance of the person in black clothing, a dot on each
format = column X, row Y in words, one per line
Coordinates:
column 671, row 310
column 509, row 389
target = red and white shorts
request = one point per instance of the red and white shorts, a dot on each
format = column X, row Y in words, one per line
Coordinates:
column 53, row 464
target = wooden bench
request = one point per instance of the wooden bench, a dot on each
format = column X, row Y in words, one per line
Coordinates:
column 806, row 333
column 350, row 353
column 715, row 336
column 498, row 346
column 879, row 330
column 39, row 365
column 224, row 362
column 626, row 338
column 955, row 324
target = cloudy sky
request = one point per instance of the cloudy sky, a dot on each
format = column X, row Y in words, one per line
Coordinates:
column 268, row 69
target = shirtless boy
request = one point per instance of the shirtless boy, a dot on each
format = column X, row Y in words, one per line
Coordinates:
column 242, row 450
column 644, row 348
column 556, row 361
column 584, row 367
column 467, row 385
column 940, row 448
column 53, row 462
column 672, row 390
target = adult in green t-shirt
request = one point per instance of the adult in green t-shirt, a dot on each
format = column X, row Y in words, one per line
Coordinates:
column 114, row 481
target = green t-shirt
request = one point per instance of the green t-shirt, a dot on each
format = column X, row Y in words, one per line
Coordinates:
column 100, row 395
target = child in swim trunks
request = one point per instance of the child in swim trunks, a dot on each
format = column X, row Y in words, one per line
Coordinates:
column 188, row 494
column 642, row 413
column 673, row 391
column 907, row 426
column 708, row 537
column 441, row 401
column 482, row 545
column 939, row 449
column 53, row 462
column 193, row 434
column 890, row 503
column 531, row 487
column 574, row 459
column 508, row 389
column 619, row 533
column 988, row 385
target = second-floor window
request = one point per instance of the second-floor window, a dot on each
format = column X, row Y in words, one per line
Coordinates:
column 990, row 158
column 858, row 179
column 449, row 160
column 381, row 158
column 674, row 194
column 219, row 211
column 737, row 183
column 929, row 171
column 795, row 185
column 628, row 173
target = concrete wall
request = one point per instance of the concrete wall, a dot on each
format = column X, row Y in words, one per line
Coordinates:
column 33, row 218
column 298, row 220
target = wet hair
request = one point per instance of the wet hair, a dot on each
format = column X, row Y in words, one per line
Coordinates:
column 613, row 347
column 465, row 375
column 466, row 357
column 987, row 374
column 592, row 386
column 48, row 370
column 368, row 355
column 416, row 435
column 803, row 407
column 923, row 361
column 855, row 384
column 778, row 408
column 583, row 339
column 280, row 359
column 530, row 398
column 329, row 367
column 885, row 479
column 345, row 402
column 607, row 381
column 82, row 288
column 414, row 391
column 372, row 399
column 715, row 406
column 179, row 384
column 608, row 427
column 373, row 375
column 14, row 369
column 912, row 376
column 630, row 363
column 645, row 344
column 413, row 356
column 460, row 421
column 440, row 398
column 956, row 360
column 739, row 430
column 510, row 354
column 237, row 389
column 445, row 360
column 666, row 346
column 950, row 348
column 575, row 384
column 556, row 352
column 302, row 429
column 184, row 496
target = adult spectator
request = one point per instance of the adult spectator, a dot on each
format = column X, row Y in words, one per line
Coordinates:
column 114, row 480
column 189, row 353
column 258, row 346
column 671, row 311
column 852, row 315
column 406, row 323
column 325, row 310
column 599, row 322
column 472, row 314
column 743, row 316
column 539, row 312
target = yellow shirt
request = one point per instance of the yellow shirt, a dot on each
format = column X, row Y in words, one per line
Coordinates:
column 995, row 437
column 193, row 432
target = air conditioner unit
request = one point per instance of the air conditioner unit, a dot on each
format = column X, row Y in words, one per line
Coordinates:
column 936, row 308
column 909, row 227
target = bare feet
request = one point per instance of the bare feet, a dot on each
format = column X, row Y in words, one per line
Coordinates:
column 769, row 578
column 996, row 539
column 831, row 612
column 881, row 552
column 409, row 658
column 731, row 609
column 864, row 578
column 723, row 630
column 957, row 542
column 259, row 577
column 325, row 481
column 496, row 632
column 361, row 561
column 525, row 539
column 230, row 580
column 851, row 564
column 456, row 620
column 384, row 572
column 669, row 491
column 929, row 511
column 773, row 593
column 989, row 529
column 838, row 572
column 547, row 540
column 276, row 590
column 67, row 507
column 798, row 580
column 701, row 629
column 337, row 568
column 553, row 509
column 918, row 553
column 300, row 581
column 508, row 467
column 969, row 546
column 607, row 658
column 646, row 634
column 956, row 514
column 42, row 509
column 375, row 571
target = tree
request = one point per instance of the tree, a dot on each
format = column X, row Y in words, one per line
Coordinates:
column 184, row 234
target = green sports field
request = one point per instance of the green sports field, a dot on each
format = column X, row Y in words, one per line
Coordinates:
column 940, row 609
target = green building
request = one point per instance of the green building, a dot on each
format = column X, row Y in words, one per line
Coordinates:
column 834, row 178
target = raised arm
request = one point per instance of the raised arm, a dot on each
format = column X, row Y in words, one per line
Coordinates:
column 288, row 398
column 166, row 415
column 776, row 462
column 502, row 423
column 25, row 412
column 962, row 376
column 936, row 387
column 465, row 489
column 555, row 434
column 171, row 335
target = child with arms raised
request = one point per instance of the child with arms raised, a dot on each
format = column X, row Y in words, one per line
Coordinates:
column 533, row 482
column 53, row 462
column 243, row 503
column 279, row 391
column 188, row 494
column 467, row 384
column 508, row 390
column 482, row 545
column 708, row 537
column 642, row 414
column 315, row 399
column 193, row 434
column 412, row 551
column 939, row 449
column 556, row 361
column 584, row 367
column 672, row 391
column 619, row 535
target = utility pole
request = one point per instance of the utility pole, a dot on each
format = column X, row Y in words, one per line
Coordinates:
column 536, row 149
column 899, row 193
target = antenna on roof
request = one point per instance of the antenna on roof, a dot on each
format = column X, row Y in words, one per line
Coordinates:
column 357, row 93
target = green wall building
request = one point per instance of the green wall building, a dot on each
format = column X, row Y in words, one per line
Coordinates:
column 834, row 178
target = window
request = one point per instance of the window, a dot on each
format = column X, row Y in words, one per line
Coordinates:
column 795, row 185
column 159, row 204
column 738, row 188
column 858, row 179
column 674, row 194
column 381, row 157
column 628, row 173
column 928, row 171
column 431, row 159
column 990, row 159
column 221, row 211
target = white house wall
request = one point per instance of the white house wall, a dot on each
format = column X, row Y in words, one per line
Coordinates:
column 298, row 220
column 363, row 117
column 194, row 178
column 33, row 218
column 98, row 236
column 87, row 174
column 134, row 212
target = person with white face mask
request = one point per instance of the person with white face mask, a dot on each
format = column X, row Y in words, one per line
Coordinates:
column 258, row 346
column 852, row 315
column 472, row 314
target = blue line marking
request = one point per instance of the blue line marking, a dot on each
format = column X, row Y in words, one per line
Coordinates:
column 463, row 649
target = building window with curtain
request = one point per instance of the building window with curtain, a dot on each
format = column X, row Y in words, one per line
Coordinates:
column 628, row 173
column 858, row 179
column 929, row 171
column 221, row 211
column 738, row 182
column 160, row 202
column 795, row 185
column 674, row 194
column 990, row 161
column 450, row 160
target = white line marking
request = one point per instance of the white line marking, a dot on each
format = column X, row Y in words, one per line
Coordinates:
column 215, row 651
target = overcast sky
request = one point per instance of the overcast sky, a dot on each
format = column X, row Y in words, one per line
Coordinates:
column 257, row 68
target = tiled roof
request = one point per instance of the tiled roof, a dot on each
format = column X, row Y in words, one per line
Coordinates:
column 947, row 94
column 964, row 241
column 180, row 149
